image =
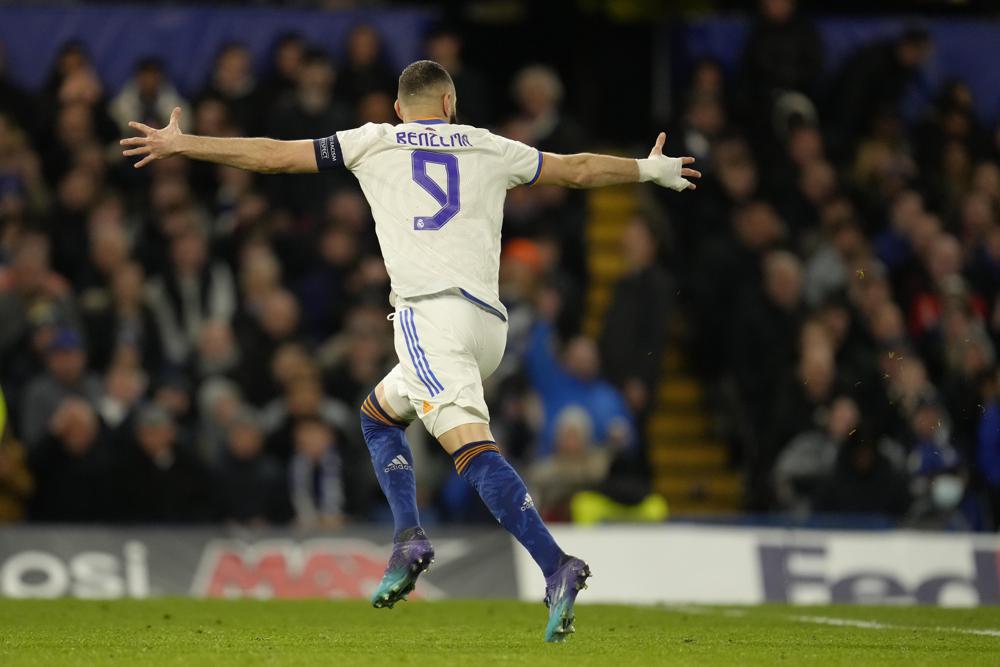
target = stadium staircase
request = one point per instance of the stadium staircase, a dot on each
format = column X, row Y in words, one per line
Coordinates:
column 690, row 466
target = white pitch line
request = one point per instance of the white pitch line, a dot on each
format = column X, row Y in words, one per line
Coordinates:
column 838, row 622
column 877, row 625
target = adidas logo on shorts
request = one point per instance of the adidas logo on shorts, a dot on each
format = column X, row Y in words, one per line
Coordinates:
column 528, row 503
column 398, row 463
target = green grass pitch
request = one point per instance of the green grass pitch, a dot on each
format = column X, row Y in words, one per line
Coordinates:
column 314, row 632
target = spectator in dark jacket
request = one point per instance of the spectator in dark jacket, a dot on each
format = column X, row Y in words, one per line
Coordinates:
column 635, row 323
column 66, row 375
column 250, row 486
column 783, row 58
column 874, row 79
column 124, row 322
column 864, row 482
column 364, row 70
column 157, row 480
column 72, row 467
column 194, row 290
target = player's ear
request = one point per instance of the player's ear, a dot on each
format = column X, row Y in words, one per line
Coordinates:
column 399, row 111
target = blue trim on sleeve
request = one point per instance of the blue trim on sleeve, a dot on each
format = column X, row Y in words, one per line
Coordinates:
column 538, row 170
column 482, row 304
column 328, row 153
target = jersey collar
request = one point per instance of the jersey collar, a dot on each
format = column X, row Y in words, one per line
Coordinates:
column 429, row 121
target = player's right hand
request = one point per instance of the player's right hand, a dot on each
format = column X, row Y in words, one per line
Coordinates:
column 154, row 144
column 670, row 172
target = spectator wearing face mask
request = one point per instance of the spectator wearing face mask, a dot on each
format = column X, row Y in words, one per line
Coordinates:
column 942, row 499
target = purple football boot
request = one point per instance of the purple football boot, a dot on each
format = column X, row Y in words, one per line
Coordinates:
column 409, row 559
column 560, row 594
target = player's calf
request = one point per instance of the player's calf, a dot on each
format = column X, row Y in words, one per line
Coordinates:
column 392, row 461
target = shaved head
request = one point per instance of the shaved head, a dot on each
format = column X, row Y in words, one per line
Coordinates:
column 423, row 85
column 423, row 78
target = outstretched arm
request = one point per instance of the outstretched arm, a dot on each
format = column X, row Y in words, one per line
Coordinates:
column 589, row 170
column 268, row 156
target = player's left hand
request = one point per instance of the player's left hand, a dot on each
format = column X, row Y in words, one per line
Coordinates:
column 154, row 144
column 670, row 171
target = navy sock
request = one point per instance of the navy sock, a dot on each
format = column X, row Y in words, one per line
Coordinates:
column 501, row 488
column 393, row 463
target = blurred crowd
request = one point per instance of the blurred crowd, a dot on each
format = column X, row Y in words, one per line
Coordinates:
column 841, row 266
column 191, row 343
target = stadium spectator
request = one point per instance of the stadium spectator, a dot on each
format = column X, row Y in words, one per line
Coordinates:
column 303, row 399
column 288, row 55
column 315, row 108
column 119, row 321
column 940, row 485
column 148, row 97
column 864, row 481
column 872, row 82
column 274, row 324
column 635, row 323
column 124, row 387
column 316, row 477
column 538, row 92
column 809, row 459
column 783, row 53
column 364, row 69
column 576, row 464
column 573, row 378
column 763, row 348
column 234, row 84
column 846, row 255
column 358, row 357
column 194, row 290
column 250, row 486
column 66, row 375
column 72, row 467
column 157, row 479
column 445, row 46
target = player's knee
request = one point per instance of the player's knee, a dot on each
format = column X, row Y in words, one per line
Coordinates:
column 459, row 436
column 373, row 413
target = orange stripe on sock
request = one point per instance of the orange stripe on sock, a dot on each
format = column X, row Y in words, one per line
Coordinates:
column 464, row 456
column 462, row 462
column 468, row 454
column 371, row 412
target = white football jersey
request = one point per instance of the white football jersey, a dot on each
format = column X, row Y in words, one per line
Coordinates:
column 436, row 191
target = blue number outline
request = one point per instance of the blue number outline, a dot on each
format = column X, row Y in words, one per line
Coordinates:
column 449, row 200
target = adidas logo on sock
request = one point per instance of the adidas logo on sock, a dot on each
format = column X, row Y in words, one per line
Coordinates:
column 528, row 503
column 398, row 463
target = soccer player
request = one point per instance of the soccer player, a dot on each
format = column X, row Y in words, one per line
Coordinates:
column 436, row 190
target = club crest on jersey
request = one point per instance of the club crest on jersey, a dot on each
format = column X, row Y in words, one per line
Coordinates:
column 398, row 463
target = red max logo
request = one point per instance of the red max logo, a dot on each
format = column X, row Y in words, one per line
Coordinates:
column 317, row 568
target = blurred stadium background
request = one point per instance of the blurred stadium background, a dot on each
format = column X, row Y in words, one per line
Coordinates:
column 807, row 341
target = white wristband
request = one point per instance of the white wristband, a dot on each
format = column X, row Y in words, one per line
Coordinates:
column 647, row 171
column 664, row 171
